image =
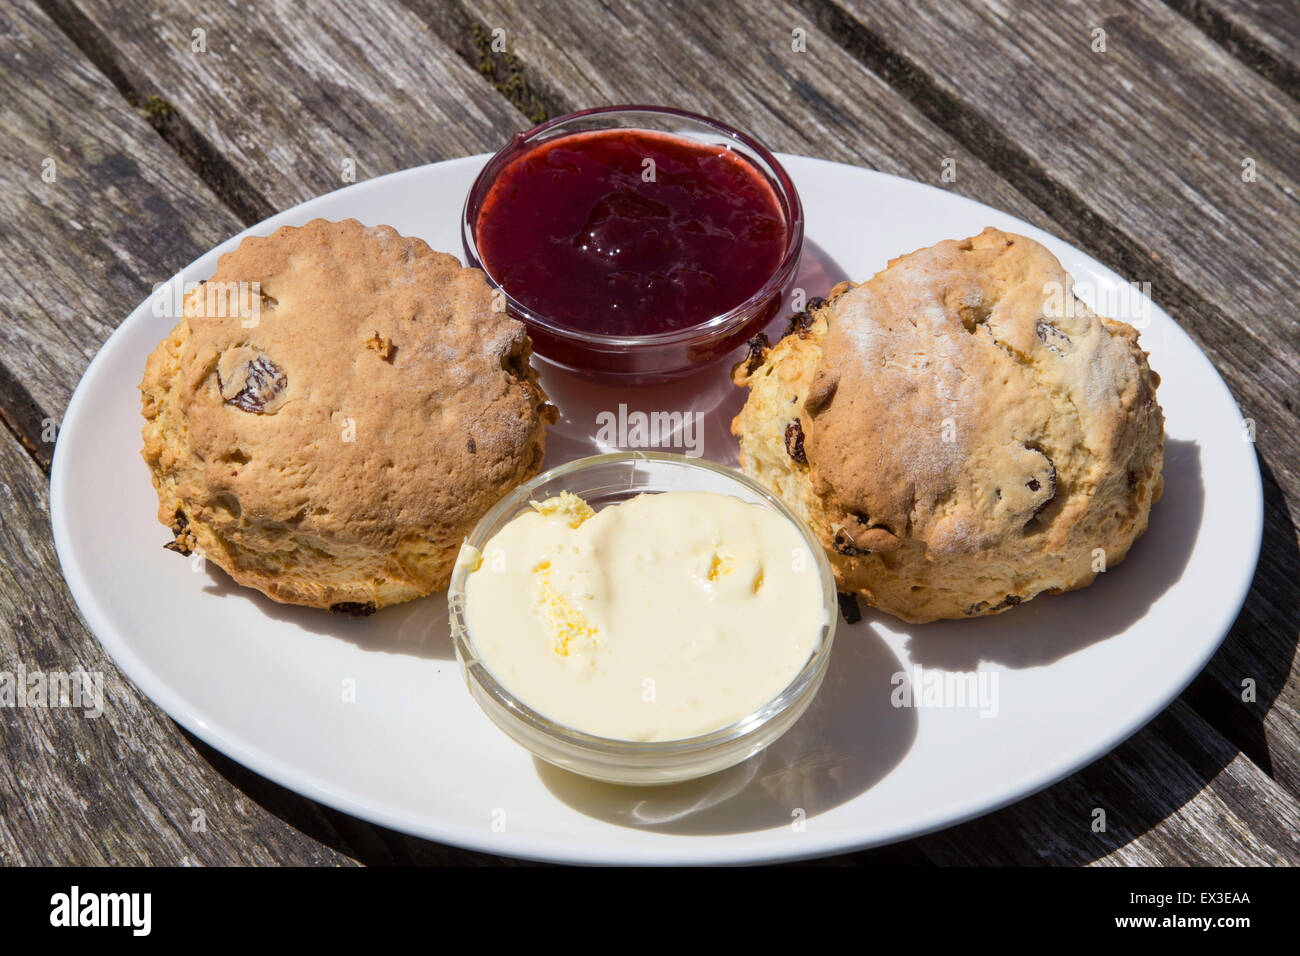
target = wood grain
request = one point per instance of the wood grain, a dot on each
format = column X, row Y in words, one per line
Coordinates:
column 1151, row 133
column 79, row 252
column 1263, row 34
column 816, row 101
column 853, row 119
column 121, row 788
column 1173, row 795
column 301, row 101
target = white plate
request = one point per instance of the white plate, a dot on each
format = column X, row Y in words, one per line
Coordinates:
column 267, row 684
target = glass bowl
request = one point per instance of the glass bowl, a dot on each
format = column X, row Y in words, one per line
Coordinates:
column 663, row 356
column 605, row 480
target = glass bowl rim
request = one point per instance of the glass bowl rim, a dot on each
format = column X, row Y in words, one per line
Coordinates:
column 791, row 694
column 783, row 185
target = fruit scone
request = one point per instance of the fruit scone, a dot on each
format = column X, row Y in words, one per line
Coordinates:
column 336, row 409
column 960, row 430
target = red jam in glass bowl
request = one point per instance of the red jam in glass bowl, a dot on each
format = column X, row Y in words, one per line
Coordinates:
column 632, row 252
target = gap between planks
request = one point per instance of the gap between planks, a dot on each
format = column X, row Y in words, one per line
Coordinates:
column 214, row 169
column 1240, row 43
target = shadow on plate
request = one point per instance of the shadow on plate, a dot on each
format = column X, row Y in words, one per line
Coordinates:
column 700, row 407
column 417, row 628
column 1178, row 754
column 848, row 739
column 1054, row 626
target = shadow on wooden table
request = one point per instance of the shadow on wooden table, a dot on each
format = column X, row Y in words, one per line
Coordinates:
column 1270, row 618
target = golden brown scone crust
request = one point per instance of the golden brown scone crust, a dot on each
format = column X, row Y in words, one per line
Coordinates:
column 335, row 451
column 973, row 434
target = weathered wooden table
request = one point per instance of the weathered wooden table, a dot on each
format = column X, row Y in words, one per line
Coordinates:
column 1162, row 137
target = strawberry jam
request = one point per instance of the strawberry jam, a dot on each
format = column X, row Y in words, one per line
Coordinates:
column 630, row 232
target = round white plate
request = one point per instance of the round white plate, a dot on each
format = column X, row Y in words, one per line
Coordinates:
column 371, row 715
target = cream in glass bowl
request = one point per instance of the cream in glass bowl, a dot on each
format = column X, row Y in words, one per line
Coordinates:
column 642, row 618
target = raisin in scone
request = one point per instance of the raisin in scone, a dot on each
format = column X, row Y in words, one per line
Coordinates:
column 961, row 431
column 334, row 412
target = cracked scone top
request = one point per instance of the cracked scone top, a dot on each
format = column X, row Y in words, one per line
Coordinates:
column 331, row 422
column 962, row 433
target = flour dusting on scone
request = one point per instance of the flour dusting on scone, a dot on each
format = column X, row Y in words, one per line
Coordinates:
column 961, row 431
column 334, row 412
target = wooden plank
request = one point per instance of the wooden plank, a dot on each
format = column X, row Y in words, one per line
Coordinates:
column 1140, row 147
column 120, row 788
column 855, row 118
column 816, row 101
column 95, row 210
column 1263, row 34
column 302, row 100
column 1176, row 794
